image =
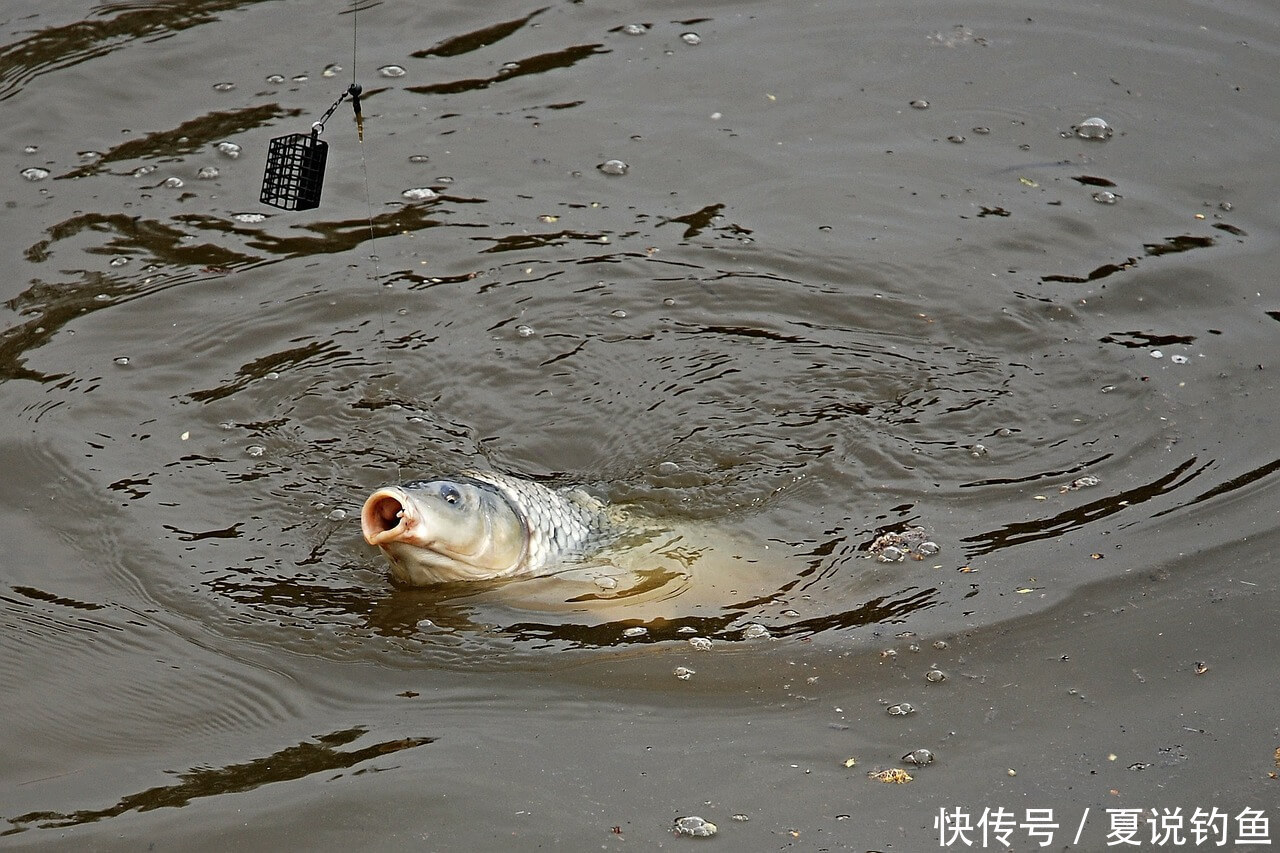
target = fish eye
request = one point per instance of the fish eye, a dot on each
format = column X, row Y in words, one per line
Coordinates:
column 451, row 495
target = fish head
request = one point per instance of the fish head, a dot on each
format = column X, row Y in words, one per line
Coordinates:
column 433, row 531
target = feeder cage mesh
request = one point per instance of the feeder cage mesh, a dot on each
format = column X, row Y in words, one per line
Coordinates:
column 295, row 172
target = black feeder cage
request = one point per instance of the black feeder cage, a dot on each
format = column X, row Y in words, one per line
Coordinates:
column 294, row 175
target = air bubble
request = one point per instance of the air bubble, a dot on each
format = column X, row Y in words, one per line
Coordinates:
column 919, row 757
column 1094, row 128
column 603, row 581
column 1155, row 353
column 30, row 149
column 143, row 171
column 1105, row 197
column 419, row 158
column 1178, row 359
column 694, row 826
column 121, row 360
column 223, row 87
column 87, row 157
column 684, row 673
column 255, row 450
column 901, row 709
column 249, row 218
column 119, row 261
column 420, row 194
column 332, row 70
column 666, row 469
column 392, row 71
column 613, row 167
column 524, row 331
column 919, row 104
column 982, row 131
column 755, row 631
column 635, row 631
column 691, row 38
column 35, row 173
column 337, row 515
column 272, row 374
column 228, row 149
column 275, row 79
column 956, row 139
column 635, row 29
column 702, row 644
column 618, row 313
column 174, row 183
column 207, row 173
column 934, row 676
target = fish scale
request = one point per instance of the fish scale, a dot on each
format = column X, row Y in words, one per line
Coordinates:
column 561, row 522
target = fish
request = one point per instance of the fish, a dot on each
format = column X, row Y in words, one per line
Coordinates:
column 484, row 525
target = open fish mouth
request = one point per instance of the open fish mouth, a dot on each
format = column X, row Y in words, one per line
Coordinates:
column 385, row 516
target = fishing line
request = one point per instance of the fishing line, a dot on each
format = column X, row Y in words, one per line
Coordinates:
column 368, row 205
column 294, row 178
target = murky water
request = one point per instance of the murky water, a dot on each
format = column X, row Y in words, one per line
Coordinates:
column 792, row 279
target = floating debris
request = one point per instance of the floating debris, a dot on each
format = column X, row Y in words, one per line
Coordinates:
column 852, row 762
column 694, row 826
column 896, row 546
column 892, row 776
column 1079, row 483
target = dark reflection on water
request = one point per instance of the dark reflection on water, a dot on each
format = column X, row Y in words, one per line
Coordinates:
column 1022, row 532
column 187, row 138
column 482, row 37
column 285, row 765
column 1169, row 246
column 114, row 26
column 543, row 62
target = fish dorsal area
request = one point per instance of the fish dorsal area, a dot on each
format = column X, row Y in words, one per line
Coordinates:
column 561, row 523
